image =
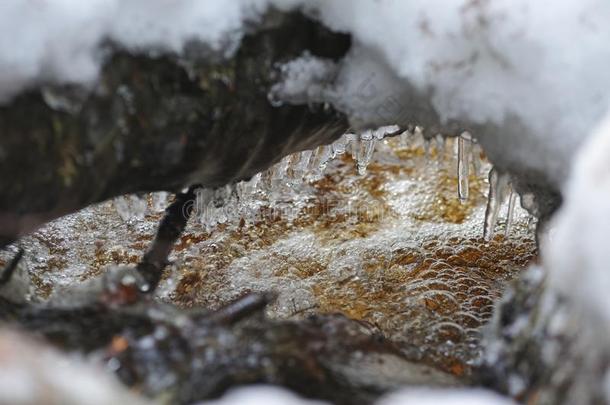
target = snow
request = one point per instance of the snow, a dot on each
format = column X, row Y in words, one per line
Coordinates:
column 262, row 395
column 60, row 40
column 268, row 395
column 302, row 79
column 513, row 64
column 512, row 69
column 427, row 396
column 32, row 373
column 575, row 251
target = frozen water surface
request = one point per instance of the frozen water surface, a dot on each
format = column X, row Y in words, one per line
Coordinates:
column 394, row 246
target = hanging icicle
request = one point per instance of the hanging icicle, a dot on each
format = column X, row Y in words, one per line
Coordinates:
column 497, row 187
column 338, row 147
column 381, row 132
column 323, row 155
column 440, row 149
column 131, row 208
column 353, row 143
column 279, row 172
column 404, row 139
column 367, row 147
column 301, row 167
column 512, row 201
column 463, row 165
column 159, row 201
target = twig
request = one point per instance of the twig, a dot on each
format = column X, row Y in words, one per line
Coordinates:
column 171, row 227
column 242, row 308
column 9, row 270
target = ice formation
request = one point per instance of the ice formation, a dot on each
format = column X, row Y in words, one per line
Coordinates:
column 280, row 185
column 131, row 208
column 463, row 165
column 512, row 201
column 498, row 183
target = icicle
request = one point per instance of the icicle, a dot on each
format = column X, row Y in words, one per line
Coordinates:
column 440, row 149
column 338, row 147
column 404, row 139
column 532, row 222
column 252, row 186
column 121, row 205
column 512, row 200
column 463, row 165
column 354, row 145
column 246, row 189
column 381, row 132
column 138, row 207
column 427, row 150
column 267, row 179
column 130, row 208
column 325, row 156
column 475, row 156
column 221, row 200
column 202, row 205
column 367, row 147
column 242, row 190
column 301, row 166
column 321, row 157
column 292, row 161
column 497, row 186
column 279, row 174
column 159, row 201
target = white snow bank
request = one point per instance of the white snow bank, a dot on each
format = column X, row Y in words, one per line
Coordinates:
column 269, row 395
column 529, row 79
column 428, row 396
column 576, row 251
column 261, row 395
column 537, row 71
column 59, row 40
column 34, row 374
